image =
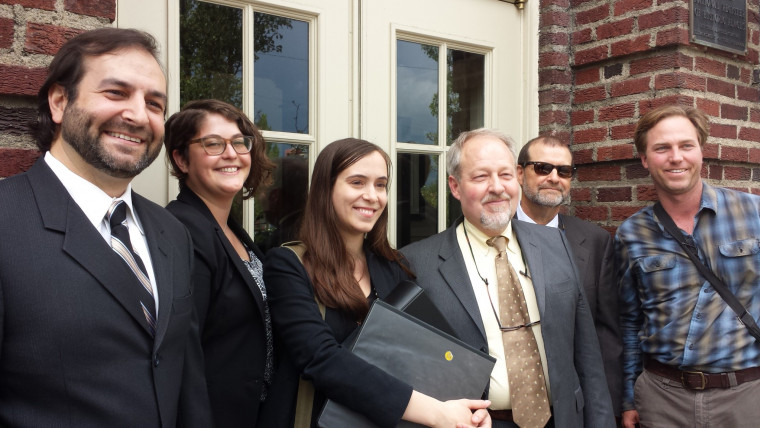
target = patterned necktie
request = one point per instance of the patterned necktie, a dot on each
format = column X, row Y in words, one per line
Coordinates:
column 527, row 387
column 122, row 245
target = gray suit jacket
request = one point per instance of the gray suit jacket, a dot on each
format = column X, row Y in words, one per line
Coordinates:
column 592, row 248
column 579, row 390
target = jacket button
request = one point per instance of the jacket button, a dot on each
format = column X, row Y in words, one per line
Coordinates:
column 156, row 360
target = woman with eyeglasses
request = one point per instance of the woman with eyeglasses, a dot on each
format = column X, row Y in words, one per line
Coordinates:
column 320, row 297
column 216, row 151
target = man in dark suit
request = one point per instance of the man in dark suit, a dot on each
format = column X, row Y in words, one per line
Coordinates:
column 90, row 337
column 458, row 269
column 544, row 170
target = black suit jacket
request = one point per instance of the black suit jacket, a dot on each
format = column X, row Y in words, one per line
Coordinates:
column 231, row 313
column 73, row 347
column 592, row 248
column 576, row 376
column 312, row 347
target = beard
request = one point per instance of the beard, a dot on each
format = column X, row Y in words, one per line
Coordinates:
column 76, row 130
column 496, row 221
column 546, row 200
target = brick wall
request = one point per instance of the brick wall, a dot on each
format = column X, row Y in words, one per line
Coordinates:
column 627, row 57
column 31, row 31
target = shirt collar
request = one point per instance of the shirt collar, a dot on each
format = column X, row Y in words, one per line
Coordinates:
column 524, row 217
column 478, row 238
column 709, row 198
column 93, row 201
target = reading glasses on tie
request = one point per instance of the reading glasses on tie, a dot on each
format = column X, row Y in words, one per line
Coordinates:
column 545, row 168
column 215, row 145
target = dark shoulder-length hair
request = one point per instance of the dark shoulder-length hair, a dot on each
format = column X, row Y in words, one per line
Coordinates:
column 184, row 125
column 327, row 260
column 67, row 69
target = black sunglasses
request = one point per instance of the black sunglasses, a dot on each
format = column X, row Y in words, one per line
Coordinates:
column 544, row 168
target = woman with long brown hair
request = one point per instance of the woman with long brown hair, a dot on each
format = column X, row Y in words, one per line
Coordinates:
column 318, row 301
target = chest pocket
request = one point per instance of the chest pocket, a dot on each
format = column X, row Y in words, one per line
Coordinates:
column 657, row 263
column 745, row 247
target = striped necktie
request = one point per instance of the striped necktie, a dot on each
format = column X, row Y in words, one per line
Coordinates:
column 122, row 245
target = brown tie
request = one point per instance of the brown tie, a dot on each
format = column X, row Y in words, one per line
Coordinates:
column 527, row 387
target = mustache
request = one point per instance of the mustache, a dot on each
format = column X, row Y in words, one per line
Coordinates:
column 496, row 198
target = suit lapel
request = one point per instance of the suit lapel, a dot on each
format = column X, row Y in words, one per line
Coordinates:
column 534, row 260
column 82, row 241
column 577, row 240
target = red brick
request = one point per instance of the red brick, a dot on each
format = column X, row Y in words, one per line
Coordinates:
column 630, row 86
column 590, row 55
column 545, row 4
column 662, row 62
column 710, row 66
column 596, row 93
column 681, row 81
column 589, row 75
column 627, row 47
column 664, row 17
column 614, row 29
column 674, row 36
column 559, row 117
column 754, row 115
column 623, row 132
column 622, row 213
column 646, row 193
column 736, row 154
column 559, row 18
column 17, row 120
column 580, row 195
column 583, row 156
column 548, row 59
column 636, row 170
column 19, row 80
column 592, row 213
column 600, row 173
column 737, row 173
column 16, row 161
column 715, row 172
column 582, row 36
column 32, row 4
column 754, row 156
column 553, row 96
column 619, row 152
column 592, row 135
column 579, row 2
column 554, row 77
column 709, row 107
column 615, row 112
column 728, row 111
column 549, row 38
column 613, row 194
column 625, row 6
column 6, row 33
column 99, row 8
column 650, row 104
column 580, row 117
column 748, row 94
column 721, row 87
column 719, row 130
column 47, row 39
column 750, row 134
column 592, row 15
column 710, row 151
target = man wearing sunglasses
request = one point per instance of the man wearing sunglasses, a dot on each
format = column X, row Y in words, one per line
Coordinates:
column 545, row 170
column 473, row 272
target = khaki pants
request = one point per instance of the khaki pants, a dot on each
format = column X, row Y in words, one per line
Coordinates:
column 664, row 403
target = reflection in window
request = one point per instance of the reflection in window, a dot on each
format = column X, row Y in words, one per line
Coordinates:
column 417, row 199
column 465, row 88
column 278, row 208
column 416, row 93
column 281, row 73
column 211, row 52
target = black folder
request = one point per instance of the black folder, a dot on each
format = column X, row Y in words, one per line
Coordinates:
column 433, row 362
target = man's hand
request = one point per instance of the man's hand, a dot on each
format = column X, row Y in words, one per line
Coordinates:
column 630, row 418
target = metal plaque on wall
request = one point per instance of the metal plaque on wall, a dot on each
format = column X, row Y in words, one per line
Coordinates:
column 720, row 24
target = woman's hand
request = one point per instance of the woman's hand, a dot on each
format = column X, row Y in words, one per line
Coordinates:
column 428, row 411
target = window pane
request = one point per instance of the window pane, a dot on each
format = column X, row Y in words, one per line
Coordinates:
column 211, row 52
column 417, row 93
column 281, row 73
column 278, row 207
column 465, row 92
column 417, row 200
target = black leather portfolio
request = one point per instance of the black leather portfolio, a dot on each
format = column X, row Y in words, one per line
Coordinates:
column 432, row 361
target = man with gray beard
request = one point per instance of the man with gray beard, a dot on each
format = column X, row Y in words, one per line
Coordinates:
column 543, row 304
column 545, row 170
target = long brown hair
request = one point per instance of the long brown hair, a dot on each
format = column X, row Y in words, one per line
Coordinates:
column 329, row 265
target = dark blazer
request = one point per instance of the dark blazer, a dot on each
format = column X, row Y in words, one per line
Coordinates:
column 74, row 349
column 312, row 346
column 578, row 387
column 231, row 314
column 592, row 248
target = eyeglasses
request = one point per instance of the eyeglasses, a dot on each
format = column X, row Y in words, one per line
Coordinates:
column 544, row 168
column 215, row 145
column 511, row 328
